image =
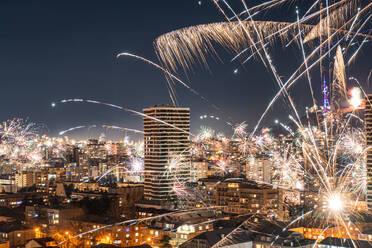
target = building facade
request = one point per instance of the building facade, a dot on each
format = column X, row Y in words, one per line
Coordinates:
column 244, row 197
column 259, row 168
column 166, row 151
column 368, row 130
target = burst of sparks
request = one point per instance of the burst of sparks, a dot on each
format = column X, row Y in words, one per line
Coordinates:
column 326, row 153
column 356, row 98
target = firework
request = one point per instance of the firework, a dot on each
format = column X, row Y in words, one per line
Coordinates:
column 326, row 152
column 20, row 141
column 205, row 133
column 203, row 117
column 356, row 98
column 70, row 129
column 240, row 129
column 171, row 76
column 123, row 109
column 191, row 45
column 224, row 166
column 122, row 128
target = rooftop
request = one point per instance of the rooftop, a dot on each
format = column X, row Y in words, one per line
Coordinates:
column 98, row 219
column 166, row 106
column 346, row 243
column 7, row 227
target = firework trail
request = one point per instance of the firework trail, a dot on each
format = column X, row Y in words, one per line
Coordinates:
column 124, row 109
column 203, row 117
column 183, row 46
column 122, row 128
column 332, row 153
column 70, row 130
column 169, row 75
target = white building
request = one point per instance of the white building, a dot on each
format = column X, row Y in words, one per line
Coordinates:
column 167, row 151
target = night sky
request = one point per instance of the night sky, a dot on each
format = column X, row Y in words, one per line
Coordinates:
column 54, row 50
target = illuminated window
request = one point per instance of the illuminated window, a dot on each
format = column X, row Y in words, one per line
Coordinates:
column 136, row 234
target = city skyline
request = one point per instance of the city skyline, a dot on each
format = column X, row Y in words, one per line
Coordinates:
column 76, row 60
column 186, row 124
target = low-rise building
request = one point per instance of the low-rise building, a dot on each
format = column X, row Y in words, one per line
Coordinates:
column 58, row 216
column 41, row 243
column 259, row 168
column 15, row 233
column 4, row 243
column 244, row 196
column 262, row 235
column 343, row 243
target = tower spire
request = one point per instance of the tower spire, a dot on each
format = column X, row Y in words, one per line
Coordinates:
column 326, row 106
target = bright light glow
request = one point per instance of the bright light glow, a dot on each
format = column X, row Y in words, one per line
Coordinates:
column 335, row 203
column 356, row 97
column 299, row 186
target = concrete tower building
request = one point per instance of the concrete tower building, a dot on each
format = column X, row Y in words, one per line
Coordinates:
column 167, row 152
column 368, row 126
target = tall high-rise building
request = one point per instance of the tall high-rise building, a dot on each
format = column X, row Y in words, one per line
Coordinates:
column 368, row 126
column 167, row 152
